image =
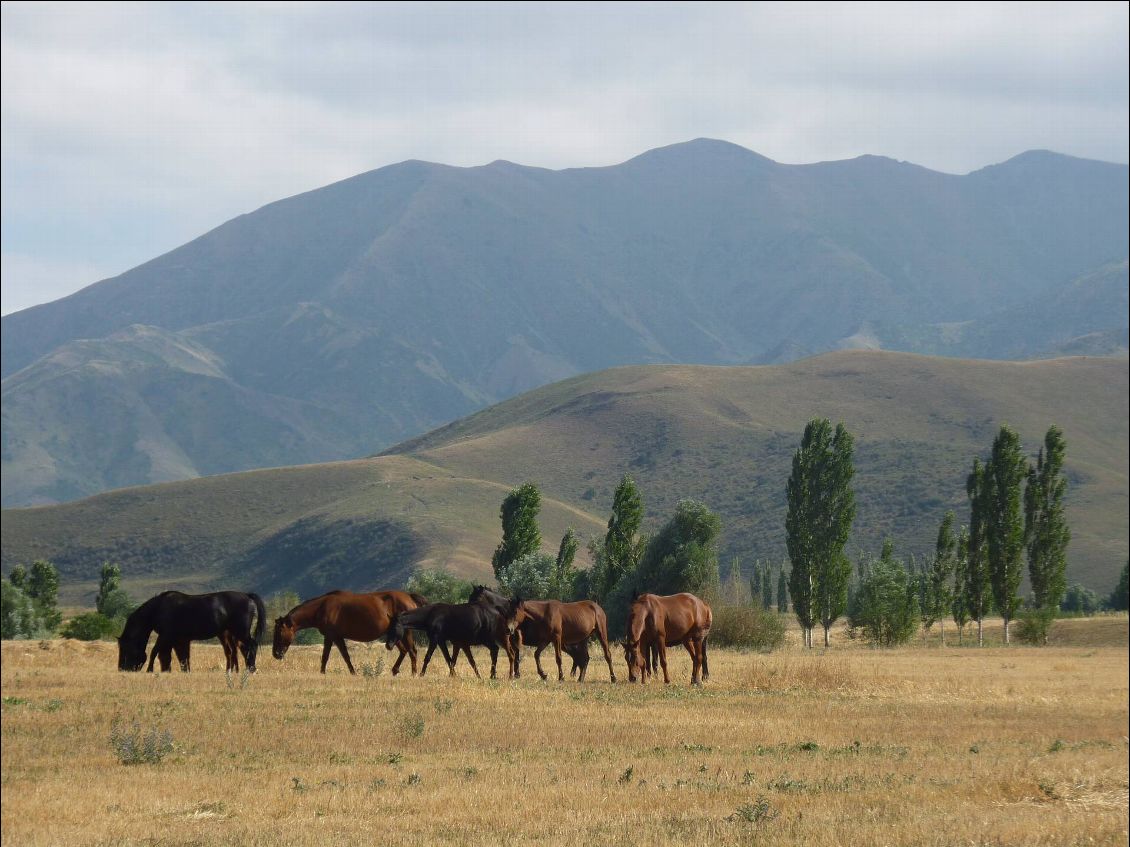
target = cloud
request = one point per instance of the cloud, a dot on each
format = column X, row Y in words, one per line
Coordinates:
column 128, row 129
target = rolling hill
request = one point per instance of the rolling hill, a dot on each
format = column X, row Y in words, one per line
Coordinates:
column 724, row 435
column 340, row 321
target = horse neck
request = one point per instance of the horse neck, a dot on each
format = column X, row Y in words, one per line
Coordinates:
column 140, row 622
column 637, row 622
column 305, row 615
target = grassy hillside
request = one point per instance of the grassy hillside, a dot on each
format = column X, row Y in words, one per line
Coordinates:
column 724, row 435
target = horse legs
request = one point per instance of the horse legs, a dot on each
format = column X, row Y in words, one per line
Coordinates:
column 692, row 645
column 607, row 656
column 231, row 654
column 161, row 650
column 494, row 662
column 663, row 659
column 470, row 658
column 537, row 660
column 428, row 657
column 402, row 647
column 345, row 655
column 705, row 664
column 182, row 649
column 447, row 656
column 327, row 645
column 557, row 654
column 511, row 658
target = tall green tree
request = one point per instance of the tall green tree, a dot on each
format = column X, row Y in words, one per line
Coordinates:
column 1119, row 598
column 959, row 604
column 886, row 608
column 821, row 508
column 623, row 544
column 43, row 589
column 977, row 594
column 1045, row 522
column 767, row 587
column 683, row 555
column 520, row 533
column 563, row 579
column 112, row 600
column 1004, row 524
column 940, row 595
column 782, row 592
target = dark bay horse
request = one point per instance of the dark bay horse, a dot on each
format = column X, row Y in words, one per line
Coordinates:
column 567, row 626
column 656, row 622
column 339, row 615
column 179, row 619
column 464, row 625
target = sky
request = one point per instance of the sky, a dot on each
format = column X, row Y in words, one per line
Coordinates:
column 128, row 130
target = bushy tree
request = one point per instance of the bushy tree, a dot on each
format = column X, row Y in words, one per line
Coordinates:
column 19, row 617
column 623, row 546
column 977, row 595
column 683, row 555
column 1080, row 600
column 520, row 533
column 887, row 610
column 1045, row 523
column 563, row 579
column 112, row 601
column 1005, row 473
column 1119, row 598
column 821, row 508
column 90, row 626
column 938, row 594
column 438, row 586
column 41, row 585
column 528, row 577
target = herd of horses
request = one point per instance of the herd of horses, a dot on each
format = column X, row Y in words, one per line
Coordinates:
column 487, row 619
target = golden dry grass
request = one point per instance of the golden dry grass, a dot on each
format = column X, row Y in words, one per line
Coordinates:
column 1015, row 746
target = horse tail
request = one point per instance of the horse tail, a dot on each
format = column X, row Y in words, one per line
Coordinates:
column 261, row 613
column 420, row 599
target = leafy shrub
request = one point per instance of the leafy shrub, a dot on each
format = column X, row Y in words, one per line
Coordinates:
column 19, row 618
column 1032, row 626
column 748, row 627
column 134, row 747
column 90, row 626
column 438, row 586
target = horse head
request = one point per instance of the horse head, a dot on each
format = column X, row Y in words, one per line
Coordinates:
column 131, row 655
column 634, row 657
column 515, row 614
column 395, row 632
column 285, row 630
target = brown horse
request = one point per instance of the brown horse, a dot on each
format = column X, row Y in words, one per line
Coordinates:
column 540, row 623
column 656, row 622
column 339, row 615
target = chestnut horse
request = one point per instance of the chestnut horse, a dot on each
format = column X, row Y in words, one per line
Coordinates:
column 339, row 615
column 540, row 623
column 656, row 622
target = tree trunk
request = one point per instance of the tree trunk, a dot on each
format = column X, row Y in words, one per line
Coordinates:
column 826, row 636
column 1006, row 623
column 942, row 631
column 980, row 633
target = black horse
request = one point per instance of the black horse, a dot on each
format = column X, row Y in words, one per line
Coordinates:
column 464, row 625
column 179, row 619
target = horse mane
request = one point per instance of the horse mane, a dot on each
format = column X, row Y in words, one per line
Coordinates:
column 315, row 600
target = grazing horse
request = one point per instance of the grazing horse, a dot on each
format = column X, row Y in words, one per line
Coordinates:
column 339, row 615
column 656, row 622
column 567, row 626
column 464, row 625
column 179, row 619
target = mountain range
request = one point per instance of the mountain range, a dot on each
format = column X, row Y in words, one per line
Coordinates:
column 333, row 324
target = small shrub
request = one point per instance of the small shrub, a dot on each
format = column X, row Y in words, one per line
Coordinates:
column 1033, row 625
column 373, row 671
column 443, row 706
column 91, row 626
column 134, row 747
column 412, row 726
column 413, row 779
column 747, row 627
column 626, row 776
column 758, row 812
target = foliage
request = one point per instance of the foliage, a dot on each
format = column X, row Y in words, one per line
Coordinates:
column 520, row 533
column 623, row 547
column 112, row 600
column 91, row 626
column 683, row 555
column 977, row 589
column 938, row 596
column 782, row 592
column 821, row 508
column 1004, row 524
column 959, row 600
column 19, row 617
column 747, row 626
column 43, row 589
column 438, row 586
column 886, row 603
column 563, row 577
column 1080, row 600
column 1119, row 598
column 528, row 577
column 1032, row 625
column 1045, row 522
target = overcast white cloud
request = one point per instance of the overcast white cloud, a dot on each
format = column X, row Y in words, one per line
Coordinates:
column 127, row 130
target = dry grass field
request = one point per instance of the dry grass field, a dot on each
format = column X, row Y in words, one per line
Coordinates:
column 917, row 746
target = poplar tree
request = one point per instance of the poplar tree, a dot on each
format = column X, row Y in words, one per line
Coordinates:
column 563, row 578
column 623, row 546
column 940, row 595
column 1045, row 524
column 1004, row 522
column 977, row 590
column 821, row 508
column 959, row 602
column 767, row 587
column 782, row 592
column 520, row 533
